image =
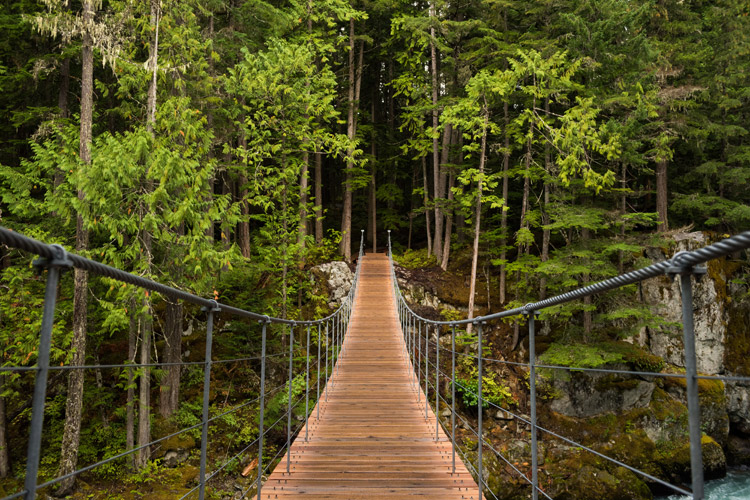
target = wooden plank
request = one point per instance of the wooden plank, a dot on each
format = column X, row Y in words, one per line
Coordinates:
column 373, row 438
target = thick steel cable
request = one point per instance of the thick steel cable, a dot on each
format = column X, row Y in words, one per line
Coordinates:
column 681, row 261
column 56, row 252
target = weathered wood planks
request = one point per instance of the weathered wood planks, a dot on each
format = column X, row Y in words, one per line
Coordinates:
column 373, row 439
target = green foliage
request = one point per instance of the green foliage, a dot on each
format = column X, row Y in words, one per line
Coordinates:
column 598, row 355
column 492, row 393
column 415, row 259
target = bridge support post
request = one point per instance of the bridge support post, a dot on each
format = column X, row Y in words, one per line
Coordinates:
column 328, row 348
column 33, row 453
column 453, row 394
column 206, row 395
column 437, row 380
column 480, row 437
column 426, row 369
column 289, row 412
column 691, row 374
column 419, row 360
column 307, row 386
column 317, row 392
column 531, row 315
column 262, row 403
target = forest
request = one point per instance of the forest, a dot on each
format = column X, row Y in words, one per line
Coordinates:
column 225, row 147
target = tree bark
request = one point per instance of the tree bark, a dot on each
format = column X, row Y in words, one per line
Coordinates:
column 426, row 200
column 144, row 399
column 318, row 198
column 504, row 214
column 661, row 195
column 355, row 81
column 169, row 392
column 62, row 104
column 456, row 137
column 303, row 188
column 545, row 212
column 477, row 218
column 437, row 245
column 74, row 401
column 130, row 405
column 243, row 227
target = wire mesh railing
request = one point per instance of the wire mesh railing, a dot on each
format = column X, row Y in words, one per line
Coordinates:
column 419, row 348
column 329, row 339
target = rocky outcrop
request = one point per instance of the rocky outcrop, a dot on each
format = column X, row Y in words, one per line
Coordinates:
column 336, row 278
column 722, row 338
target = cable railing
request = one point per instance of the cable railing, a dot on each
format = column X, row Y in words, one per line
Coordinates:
column 419, row 347
column 331, row 331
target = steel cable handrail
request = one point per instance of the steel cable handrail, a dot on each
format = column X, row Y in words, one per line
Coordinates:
column 55, row 259
column 684, row 264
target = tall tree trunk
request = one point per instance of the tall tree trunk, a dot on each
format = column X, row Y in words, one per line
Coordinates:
column 456, row 137
column 372, row 209
column 169, row 399
column 144, row 394
column 226, row 190
column 243, row 227
column 144, row 399
column 74, row 402
column 477, row 217
column 318, row 198
column 661, row 195
column 62, row 104
column 285, row 244
column 411, row 209
column 437, row 245
column 439, row 193
column 448, row 225
column 425, row 200
column 545, row 210
column 130, row 405
column 355, row 81
column 303, row 188
column 504, row 215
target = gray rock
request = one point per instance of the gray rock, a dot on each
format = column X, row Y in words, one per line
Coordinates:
column 173, row 458
column 584, row 395
column 339, row 279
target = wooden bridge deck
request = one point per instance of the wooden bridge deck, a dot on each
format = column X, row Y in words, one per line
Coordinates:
column 373, row 439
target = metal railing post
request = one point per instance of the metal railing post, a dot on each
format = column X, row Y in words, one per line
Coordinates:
column 33, row 453
column 453, row 394
column 262, row 402
column 426, row 369
column 691, row 372
column 289, row 413
column 479, row 408
column 206, row 395
column 437, row 380
column 532, row 403
column 307, row 384
column 419, row 361
column 317, row 392
column 328, row 348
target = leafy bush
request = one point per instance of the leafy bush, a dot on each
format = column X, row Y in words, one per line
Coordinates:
column 492, row 392
column 415, row 259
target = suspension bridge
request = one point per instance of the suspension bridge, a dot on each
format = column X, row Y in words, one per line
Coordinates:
column 374, row 429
